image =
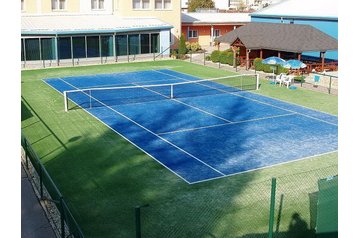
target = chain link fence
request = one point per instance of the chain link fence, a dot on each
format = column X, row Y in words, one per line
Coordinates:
column 229, row 213
column 56, row 209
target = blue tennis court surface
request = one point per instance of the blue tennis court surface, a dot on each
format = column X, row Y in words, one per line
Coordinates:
column 203, row 136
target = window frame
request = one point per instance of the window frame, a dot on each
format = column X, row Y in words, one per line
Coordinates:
column 163, row 5
column 97, row 8
column 57, row 5
column 141, row 5
column 215, row 35
column 192, row 34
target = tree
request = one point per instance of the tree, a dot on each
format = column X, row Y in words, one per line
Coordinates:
column 194, row 4
column 182, row 46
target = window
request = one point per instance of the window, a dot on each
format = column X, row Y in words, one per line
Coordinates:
column 140, row 4
column 216, row 33
column 97, row 4
column 22, row 5
column 163, row 4
column 193, row 34
column 58, row 4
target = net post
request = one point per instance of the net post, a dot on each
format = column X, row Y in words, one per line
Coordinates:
column 90, row 97
column 330, row 85
column 65, row 100
column 171, row 91
column 257, row 81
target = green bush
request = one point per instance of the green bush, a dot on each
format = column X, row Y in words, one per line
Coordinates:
column 208, row 57
column 215, row 56
column 282, row 69
column 258, row 64
column 195, row 46
column 182, row 46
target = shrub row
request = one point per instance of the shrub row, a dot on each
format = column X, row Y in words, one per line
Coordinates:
column 224, row 57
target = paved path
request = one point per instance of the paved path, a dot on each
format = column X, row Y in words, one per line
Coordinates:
column 34, row 223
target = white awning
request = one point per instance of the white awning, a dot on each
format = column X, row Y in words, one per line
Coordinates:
column 83, row 24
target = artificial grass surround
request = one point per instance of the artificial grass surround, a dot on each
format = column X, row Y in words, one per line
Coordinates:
column 102, row 176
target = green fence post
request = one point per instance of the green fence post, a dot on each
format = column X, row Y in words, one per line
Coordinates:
column 191, row 57
column 204, row 58
column 26, row 154
column 41, row 180
column 63, row 235
column 138, row 229
column 272, row 207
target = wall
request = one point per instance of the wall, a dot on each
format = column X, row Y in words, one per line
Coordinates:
column 329, row 27
column 172, row 16
column 204, row 32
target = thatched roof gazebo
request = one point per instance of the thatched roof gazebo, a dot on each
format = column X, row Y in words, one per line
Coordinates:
column 260, row 38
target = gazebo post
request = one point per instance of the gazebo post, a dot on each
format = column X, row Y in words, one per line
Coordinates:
column 261, row 54
column 299, row 56
column 322, row 58
column 279, row 54
column 234, row 51
column 247, row 58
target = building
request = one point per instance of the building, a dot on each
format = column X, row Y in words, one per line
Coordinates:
column 205, row 27
column 59, row 31
column 321, row 14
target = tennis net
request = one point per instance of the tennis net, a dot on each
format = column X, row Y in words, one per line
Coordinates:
column 137, row 93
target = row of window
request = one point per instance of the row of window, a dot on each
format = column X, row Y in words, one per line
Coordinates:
column 99, row 4
column 194, row 33
column 158, row 4
column 89, row 46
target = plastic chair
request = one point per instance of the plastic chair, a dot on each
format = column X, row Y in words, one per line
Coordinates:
column 287, row 80
column 279, row 78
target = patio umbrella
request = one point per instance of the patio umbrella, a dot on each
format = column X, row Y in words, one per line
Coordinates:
column 274, row 60
column 294, row 64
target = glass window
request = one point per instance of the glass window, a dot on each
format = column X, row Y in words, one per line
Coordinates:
column 163, row 4
column 97, row 4
column 133, row 41
column 167, row 4
column 92, row 46
column 154, row 42
column 22, row 50
column 144, row 44
column 158, row 4
column 193, row 34
column 64, row 48
column 107, row 45
column 216, row 33
column 48, row 49
column 79, row 47
column 58, row 4
column 140, row 4
column 121, row 45
column 32, row 49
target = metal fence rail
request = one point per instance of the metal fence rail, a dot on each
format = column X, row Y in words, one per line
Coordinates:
column 61, row 217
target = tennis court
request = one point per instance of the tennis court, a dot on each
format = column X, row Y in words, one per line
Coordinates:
column 201, row 130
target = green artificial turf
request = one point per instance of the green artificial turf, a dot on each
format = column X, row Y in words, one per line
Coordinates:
column 102, row 176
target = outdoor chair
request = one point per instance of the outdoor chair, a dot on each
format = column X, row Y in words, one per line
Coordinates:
column 287, row 80
column 279, row 78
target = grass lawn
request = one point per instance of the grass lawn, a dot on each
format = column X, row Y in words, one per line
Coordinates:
column 102, row 176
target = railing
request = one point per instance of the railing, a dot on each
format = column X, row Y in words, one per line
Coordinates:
column 63, row 222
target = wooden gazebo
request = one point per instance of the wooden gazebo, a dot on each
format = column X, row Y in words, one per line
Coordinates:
column 262, row 40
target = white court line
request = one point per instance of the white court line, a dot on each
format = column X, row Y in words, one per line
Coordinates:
column 151, row 132
column 265, row 167
column 225, row 124
column 141, row 149
column 196, row 108
column 258, row 101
